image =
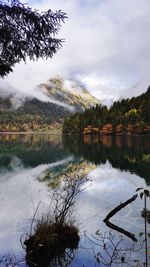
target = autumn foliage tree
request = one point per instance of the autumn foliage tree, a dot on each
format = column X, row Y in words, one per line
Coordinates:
column 27, row 33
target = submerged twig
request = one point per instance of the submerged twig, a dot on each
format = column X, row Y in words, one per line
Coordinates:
column 114, row 211
column 34, row 217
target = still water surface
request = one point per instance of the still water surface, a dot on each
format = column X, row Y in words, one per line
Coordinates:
column 114, row 168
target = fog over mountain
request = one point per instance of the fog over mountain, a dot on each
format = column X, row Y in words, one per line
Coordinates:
column 68, row 94
column 18, row 97
column 106, row 48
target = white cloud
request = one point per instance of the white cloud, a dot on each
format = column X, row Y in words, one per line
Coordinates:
column 107, row 47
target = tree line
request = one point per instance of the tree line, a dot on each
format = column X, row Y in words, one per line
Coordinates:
column 123, row 112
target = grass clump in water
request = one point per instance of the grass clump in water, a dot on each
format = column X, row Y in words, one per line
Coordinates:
column 55, row 237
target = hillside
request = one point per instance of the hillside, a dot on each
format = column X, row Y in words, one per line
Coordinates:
column 69, row 92
column 127, row 116
column 32, row 114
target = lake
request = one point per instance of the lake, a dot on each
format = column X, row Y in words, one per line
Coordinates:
column 110, row 168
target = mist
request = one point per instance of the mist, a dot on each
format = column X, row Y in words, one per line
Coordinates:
column 108, row 52
column 19, row 96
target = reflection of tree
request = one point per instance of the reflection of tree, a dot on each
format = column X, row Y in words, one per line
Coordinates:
column 133, row 157
column 32, row 150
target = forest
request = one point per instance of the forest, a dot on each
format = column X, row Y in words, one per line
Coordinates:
column 33, row 115
column 126, row 116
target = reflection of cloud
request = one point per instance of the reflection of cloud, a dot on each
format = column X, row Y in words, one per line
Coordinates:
column 20, row 193
column 107, row 189
column 15, row 163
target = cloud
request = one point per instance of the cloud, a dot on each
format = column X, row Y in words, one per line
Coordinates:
column 19, row 96
column 106, row 48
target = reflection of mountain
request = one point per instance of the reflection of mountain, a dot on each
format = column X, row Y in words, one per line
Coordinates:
column 31, row 150
column 126, row 153
column 73, row 169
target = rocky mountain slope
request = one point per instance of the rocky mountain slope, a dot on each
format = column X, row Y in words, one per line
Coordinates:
column 69, row 92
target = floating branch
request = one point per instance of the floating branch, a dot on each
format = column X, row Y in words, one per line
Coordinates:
column 114, row 211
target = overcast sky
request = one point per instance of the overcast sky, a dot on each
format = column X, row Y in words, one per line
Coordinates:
column 107, row 47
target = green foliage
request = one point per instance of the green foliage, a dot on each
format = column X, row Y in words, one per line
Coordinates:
column 126, row 111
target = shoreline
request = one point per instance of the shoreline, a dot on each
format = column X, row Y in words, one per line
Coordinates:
column 61, row 133
column 42, row 133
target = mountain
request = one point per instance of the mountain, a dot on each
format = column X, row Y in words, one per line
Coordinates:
column 69, row 92
column 46, row 111
column 127, row 116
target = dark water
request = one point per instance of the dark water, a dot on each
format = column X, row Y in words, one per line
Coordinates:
column 124, row 153
column 31, row 165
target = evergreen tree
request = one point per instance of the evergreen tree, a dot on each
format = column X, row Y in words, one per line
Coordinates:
column 27, row 33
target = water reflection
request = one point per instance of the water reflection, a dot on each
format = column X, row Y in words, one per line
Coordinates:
column 31, row 163
column 123, row 152
column 54, row 238
column 31, row 150
column 75, row 168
